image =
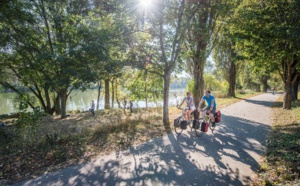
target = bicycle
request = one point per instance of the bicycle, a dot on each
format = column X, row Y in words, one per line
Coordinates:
column 179, row 124
column 205, row 119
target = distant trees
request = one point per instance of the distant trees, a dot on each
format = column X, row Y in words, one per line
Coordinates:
column 267, row 33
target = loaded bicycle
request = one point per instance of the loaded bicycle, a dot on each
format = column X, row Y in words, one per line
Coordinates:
column 181, row 124
column 200, row 125
column 203, row 123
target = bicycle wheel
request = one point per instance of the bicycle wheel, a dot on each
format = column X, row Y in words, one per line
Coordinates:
column 191, row 124
column 198, row 131
column 191, row 121
column 178, row 128
column 211, row 125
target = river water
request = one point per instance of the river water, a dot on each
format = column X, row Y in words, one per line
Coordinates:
column 82, row 101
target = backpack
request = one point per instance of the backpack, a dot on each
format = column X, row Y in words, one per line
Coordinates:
column 218, row 116
column 204, row 126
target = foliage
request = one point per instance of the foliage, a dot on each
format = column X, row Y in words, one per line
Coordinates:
column 27, row 125
column 144, row 86
column 46, row 46
column 212, row 83
column 266, row 32
column 27, row 122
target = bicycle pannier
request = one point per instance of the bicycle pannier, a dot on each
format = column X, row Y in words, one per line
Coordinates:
column 177, row 122
column 183, row 124
column 196, row 124
column 218, row 116
column 196, row 114
column 204, row 127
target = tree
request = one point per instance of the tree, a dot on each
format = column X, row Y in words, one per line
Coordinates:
column 226, row 59
column 268, row 32
column 168, row 30
column 45, row 46
column 199, row 42
column 224, row 53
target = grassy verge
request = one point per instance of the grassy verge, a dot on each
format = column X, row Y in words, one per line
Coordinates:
column 57, row 143
column 60, row 143
column 281, row 165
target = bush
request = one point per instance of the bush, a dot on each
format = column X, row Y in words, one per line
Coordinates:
column 27, row 126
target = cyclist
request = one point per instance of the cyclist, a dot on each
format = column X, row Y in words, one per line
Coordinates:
column 190, row 105
column 211, row 105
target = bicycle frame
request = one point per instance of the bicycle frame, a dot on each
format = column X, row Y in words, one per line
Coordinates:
column 205, row 117
column 178, row 130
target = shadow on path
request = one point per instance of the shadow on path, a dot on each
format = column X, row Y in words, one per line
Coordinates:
column 222, row 157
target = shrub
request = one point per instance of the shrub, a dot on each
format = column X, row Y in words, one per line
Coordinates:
column 27, row 126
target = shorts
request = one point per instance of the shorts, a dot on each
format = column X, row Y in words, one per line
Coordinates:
column 213, row 110
column 190, row 108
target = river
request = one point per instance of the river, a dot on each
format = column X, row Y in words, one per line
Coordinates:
column 82, row 101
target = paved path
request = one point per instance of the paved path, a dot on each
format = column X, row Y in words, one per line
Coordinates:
column 227, row 156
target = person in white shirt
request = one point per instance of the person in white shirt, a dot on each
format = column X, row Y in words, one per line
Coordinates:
column 190, row 106
column 92, row 109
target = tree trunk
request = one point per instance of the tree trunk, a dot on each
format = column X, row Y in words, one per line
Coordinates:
column 288, row 88
column 198, row 79
column 107, row 105
column 124, row 104
column 49, row 109
column 287, row 100
column 295, row 90
column 146, row 91
column 99, row 93
column 113, row 94
column 57, row 105
column 166, row 120
column 117, row 95
column 232, row 80
column 264, row 81
column 63, row 103
column 146, row 101
column 295, row 84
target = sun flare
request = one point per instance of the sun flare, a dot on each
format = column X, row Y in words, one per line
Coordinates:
column 146, row 3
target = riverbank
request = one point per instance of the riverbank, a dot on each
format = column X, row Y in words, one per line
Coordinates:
column 79, row 138
column 281, row 164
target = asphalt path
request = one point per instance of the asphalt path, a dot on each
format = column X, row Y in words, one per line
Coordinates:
column 229, row 155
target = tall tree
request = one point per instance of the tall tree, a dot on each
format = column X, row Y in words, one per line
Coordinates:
column 45, row 46
column 167, row 22
column 199, row 42
column 226, row 59
column 268, row 32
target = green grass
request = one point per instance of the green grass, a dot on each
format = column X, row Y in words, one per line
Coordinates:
column 281, row 165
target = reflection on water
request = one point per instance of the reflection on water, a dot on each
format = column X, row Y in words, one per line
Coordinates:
column 82, row 101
